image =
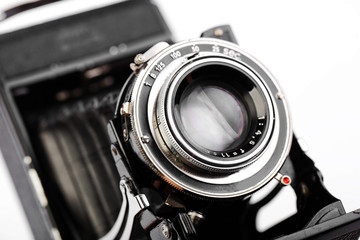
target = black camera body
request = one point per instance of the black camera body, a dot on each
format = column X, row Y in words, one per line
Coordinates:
column 173, row 152
column 59, row 86
column 165, row 120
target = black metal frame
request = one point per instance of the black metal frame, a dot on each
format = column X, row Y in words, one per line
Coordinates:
column 316, row 207
column 49, row 61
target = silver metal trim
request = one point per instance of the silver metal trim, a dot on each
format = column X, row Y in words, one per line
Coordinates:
column 281, row 133
column 132, row 204
column 142, row 58
column 171, row 139
column 282, row 179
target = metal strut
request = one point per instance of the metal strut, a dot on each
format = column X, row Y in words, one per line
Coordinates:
column 131, row 206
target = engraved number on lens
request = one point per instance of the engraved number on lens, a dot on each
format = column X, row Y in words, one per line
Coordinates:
column 195, row 48
column 160, row 66
column 175, row 55
column 153, row 75
column 215, row 49
column 231, row 53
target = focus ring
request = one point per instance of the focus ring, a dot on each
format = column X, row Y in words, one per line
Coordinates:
column 192, row 174
column 175, row 143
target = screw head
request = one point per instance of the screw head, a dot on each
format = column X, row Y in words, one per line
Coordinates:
column 27, row 160
column 125, row 134
column 114, row 151
column 165, row 230
column 145, row 139
column 218, row 32
column 280, row 96
column 139, row 59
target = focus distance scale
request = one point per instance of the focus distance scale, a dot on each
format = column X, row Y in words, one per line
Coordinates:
column 207, row 117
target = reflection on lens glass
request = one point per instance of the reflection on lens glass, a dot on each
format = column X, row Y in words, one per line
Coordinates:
column 212, row 116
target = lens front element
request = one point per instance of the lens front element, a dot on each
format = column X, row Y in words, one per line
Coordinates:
column 216, row 113
column 211, row 117
column 213, row 109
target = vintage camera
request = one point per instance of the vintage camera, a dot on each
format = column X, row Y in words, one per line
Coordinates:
column 211, row 125
column 176, row 151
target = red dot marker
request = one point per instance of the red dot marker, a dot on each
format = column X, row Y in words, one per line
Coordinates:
column 286, row 180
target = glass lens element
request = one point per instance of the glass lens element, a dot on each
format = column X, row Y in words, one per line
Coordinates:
column 212, row 116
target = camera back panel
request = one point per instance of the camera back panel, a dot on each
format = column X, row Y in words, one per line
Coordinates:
column 59, row 86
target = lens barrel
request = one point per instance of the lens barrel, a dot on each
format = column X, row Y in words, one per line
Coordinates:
column 214, row 120
column 216, row 112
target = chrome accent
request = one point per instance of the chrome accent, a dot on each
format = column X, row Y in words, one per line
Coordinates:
column 145, row 139
column 303, row 144
column 140, row 59
column 125, row 109
column 278, row 177
column 165, row 230
column 280, row 95
column 125, row 134
column 27, row 160
column 39, row 190
column 274, row 153
column 218, row 32
column 55, row 233
column 132, row 205
column 281, row 178
column 173, row 138
column 35, row 180
column 114, row 152
column 196, row 217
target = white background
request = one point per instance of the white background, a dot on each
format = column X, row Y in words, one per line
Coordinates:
column 311, row 47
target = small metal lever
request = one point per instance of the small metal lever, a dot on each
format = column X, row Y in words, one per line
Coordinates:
column 131, row 206
column 142, row 58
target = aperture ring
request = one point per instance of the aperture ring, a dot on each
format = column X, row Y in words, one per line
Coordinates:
column 200, row 180
column 181, row 150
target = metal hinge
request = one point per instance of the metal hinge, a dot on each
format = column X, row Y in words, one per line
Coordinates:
column 142, row 58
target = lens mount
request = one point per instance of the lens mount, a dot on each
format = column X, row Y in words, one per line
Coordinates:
column 214, row 120
column 247, row 130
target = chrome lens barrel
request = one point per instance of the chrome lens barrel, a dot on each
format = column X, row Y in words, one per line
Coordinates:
column 221, row 124
column 209, row 119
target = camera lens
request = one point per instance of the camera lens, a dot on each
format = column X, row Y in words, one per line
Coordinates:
column 210, row 112
column 214, row 112
column 207, row 120
column 212, row 117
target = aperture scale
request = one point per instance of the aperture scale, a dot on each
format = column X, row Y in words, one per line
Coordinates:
column 169, row 163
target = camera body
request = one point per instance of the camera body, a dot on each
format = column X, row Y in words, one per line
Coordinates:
column 215, row 161
column 149, row 127
column 170, row 180
column 167, row 136
column 59, row 87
